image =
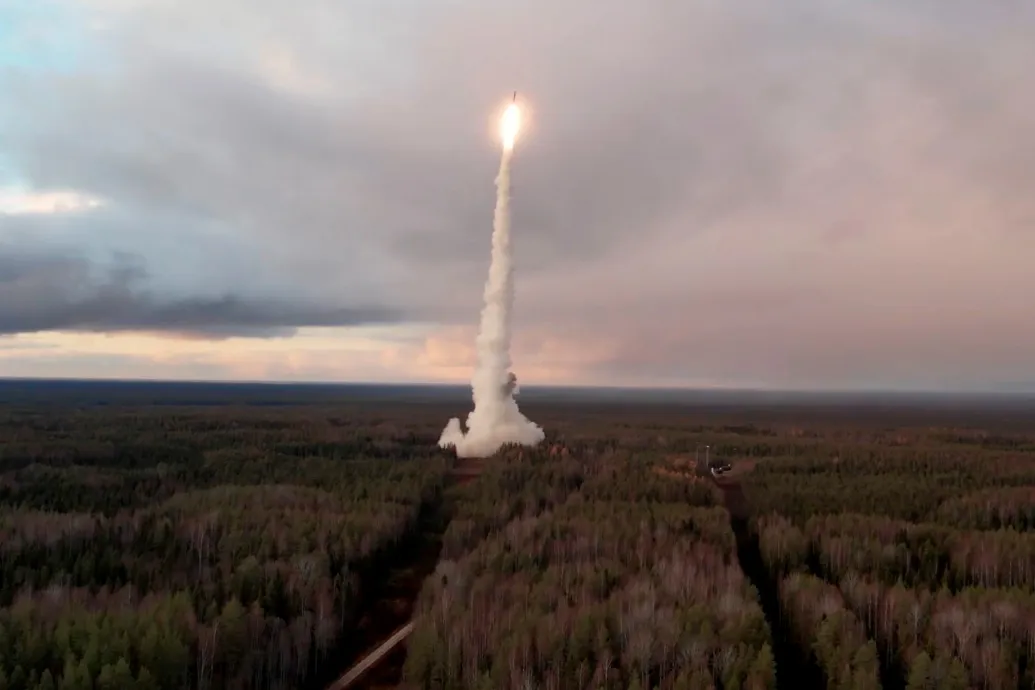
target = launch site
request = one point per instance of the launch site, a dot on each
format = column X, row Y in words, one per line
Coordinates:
column 517, row 345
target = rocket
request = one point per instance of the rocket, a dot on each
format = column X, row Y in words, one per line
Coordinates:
column 514, row 99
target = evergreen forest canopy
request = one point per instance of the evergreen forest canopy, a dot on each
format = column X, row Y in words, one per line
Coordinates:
column 231, row 545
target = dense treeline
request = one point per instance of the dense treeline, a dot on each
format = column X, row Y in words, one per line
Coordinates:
column 901, row 482
column 194, row 551
column 524, row 480
column 935, row 557
column 830, row 631
column 972, row 589
column 604, row 602
column 235, row 547
column 989, row 509
column 590, row 573
column 270, row 569
column 895, row 550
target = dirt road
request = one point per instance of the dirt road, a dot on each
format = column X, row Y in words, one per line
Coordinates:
column 390, row 620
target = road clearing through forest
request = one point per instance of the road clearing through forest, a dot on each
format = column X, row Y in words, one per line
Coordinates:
column 380, row 667
column 794, row 669
column 349, row 679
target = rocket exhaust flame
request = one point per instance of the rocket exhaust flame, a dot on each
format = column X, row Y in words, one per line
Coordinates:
column 510, row 125
column 496, row 420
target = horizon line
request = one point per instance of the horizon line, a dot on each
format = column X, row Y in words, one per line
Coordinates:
column 1023, row 393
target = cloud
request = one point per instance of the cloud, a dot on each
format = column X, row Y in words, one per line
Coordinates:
column 45, row 293
column 814, row 194
column 14, row 202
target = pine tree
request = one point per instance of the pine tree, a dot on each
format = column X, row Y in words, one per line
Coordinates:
column 682, row 682
column 18, row 677
column 145, row 681
column 866, row 668
column 67, row 679
column 762, row 673
column 956, row 676
column 84, row 677
column 122, row 675
column 106, row 678
column 919, row 672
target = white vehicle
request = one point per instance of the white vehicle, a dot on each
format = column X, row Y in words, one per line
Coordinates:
column 720, row 467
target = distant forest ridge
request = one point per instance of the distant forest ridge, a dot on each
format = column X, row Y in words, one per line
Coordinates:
column 123, row 392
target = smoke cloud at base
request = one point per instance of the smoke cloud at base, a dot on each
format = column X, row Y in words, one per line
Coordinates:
column 496, row 419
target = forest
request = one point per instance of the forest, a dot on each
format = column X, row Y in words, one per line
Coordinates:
column 231, row 546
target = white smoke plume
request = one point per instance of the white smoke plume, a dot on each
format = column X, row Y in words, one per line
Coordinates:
column 495, row 420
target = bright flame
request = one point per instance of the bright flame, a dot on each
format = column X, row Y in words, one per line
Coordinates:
column 509, row 125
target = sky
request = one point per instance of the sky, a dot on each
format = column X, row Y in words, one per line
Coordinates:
column 811, row 194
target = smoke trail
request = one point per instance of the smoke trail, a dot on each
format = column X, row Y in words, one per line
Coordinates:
column 495, row 419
